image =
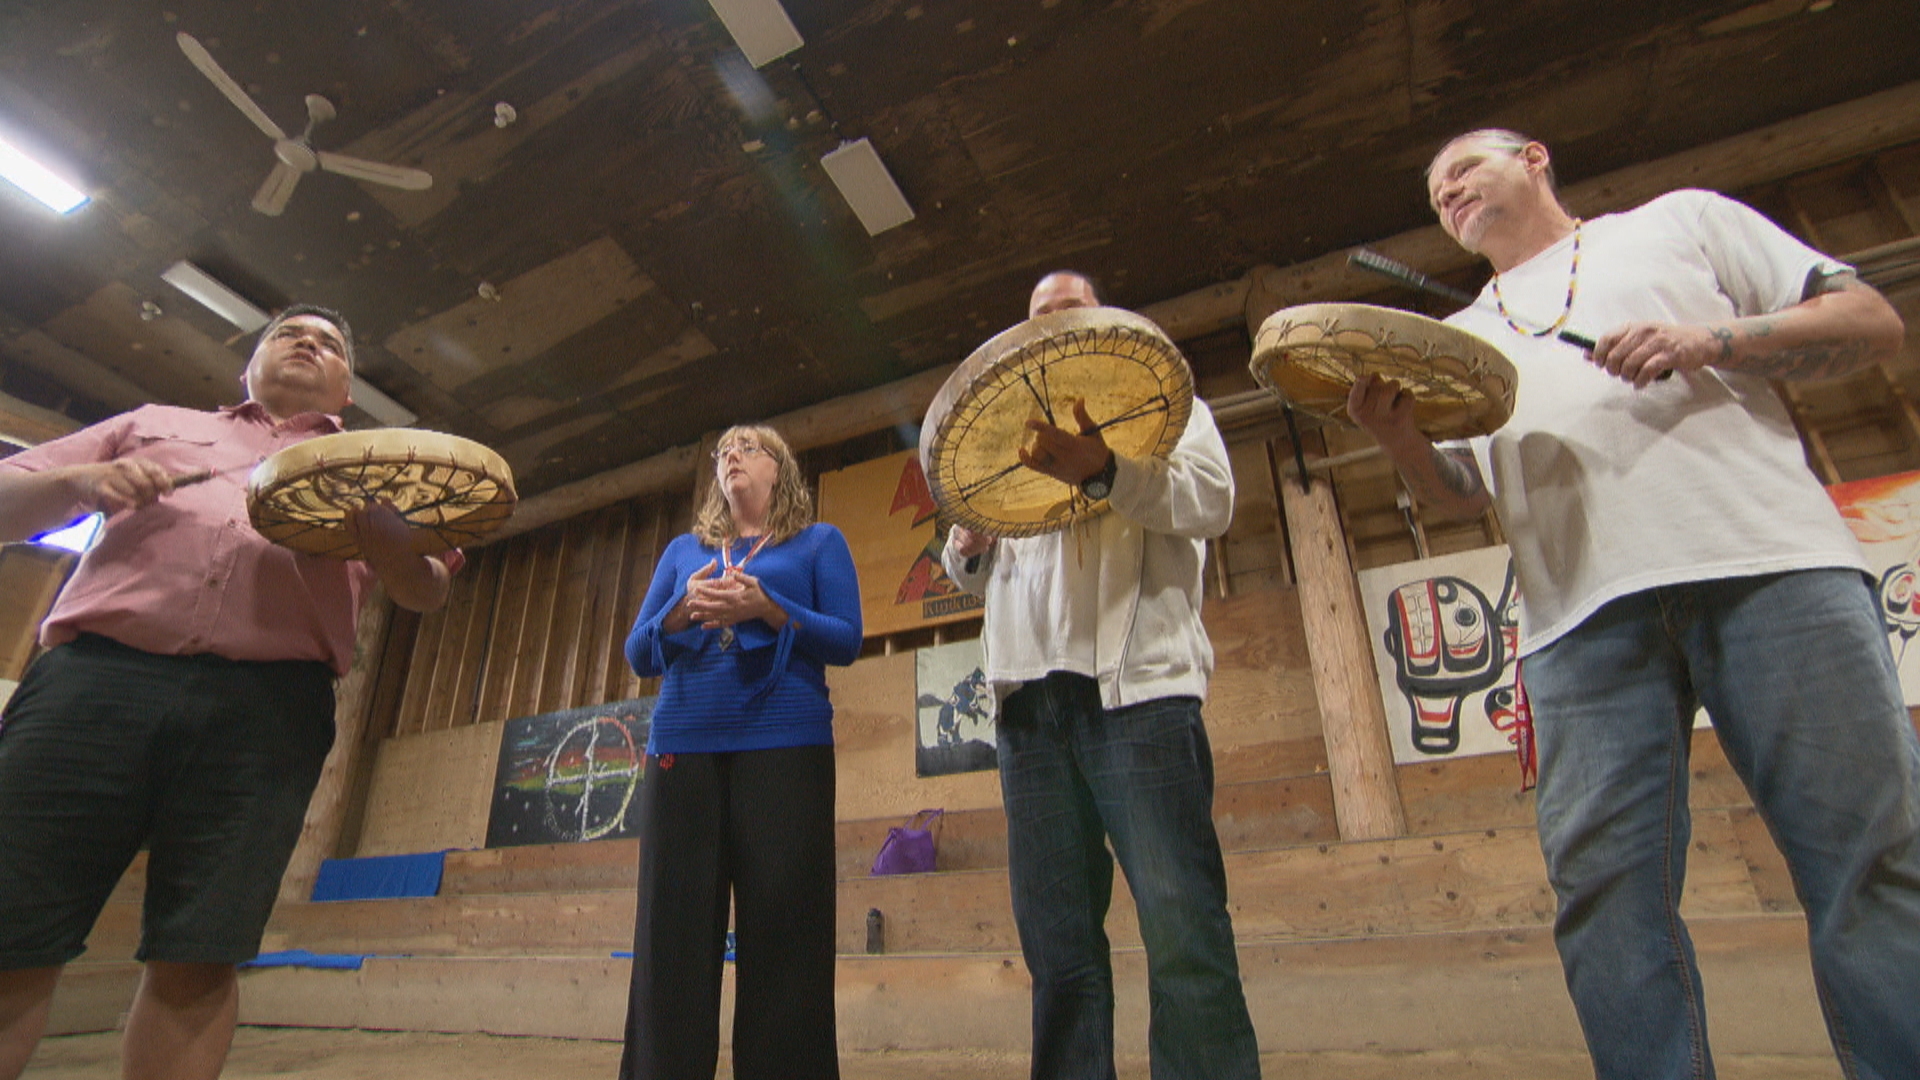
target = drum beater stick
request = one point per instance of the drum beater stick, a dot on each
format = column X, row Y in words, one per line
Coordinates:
column 1376, row 263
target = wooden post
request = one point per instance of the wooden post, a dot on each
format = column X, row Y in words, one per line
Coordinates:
column 353, row 699
column 1366, row 794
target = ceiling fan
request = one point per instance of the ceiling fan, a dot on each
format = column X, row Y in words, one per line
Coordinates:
column 296, row 155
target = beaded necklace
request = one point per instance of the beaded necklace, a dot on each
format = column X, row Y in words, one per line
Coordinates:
column 1566, row 310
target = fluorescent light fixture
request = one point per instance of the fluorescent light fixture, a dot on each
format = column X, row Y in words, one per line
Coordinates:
column 215, row 295
column 856, row 169
column 760, row 27
column 242, row 313
column 38, row 181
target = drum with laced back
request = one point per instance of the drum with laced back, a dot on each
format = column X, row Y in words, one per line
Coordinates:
column 450, row 491
column 1134, row 383
column 1311, row 355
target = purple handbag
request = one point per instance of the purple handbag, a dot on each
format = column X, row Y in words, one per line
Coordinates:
column 909, row 848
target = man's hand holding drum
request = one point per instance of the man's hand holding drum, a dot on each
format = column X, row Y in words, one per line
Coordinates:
column 1066, row 456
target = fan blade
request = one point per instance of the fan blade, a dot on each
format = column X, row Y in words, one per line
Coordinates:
column 203, row 60
column 373, row 171
column 278, row 188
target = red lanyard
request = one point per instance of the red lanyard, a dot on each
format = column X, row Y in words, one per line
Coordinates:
column 726, row 553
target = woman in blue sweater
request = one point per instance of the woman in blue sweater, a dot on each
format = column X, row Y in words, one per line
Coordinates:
column 743, row 616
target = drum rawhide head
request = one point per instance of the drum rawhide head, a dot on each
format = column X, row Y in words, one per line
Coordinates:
column 1312, row 355
column 1136, row 386
column 451, row 491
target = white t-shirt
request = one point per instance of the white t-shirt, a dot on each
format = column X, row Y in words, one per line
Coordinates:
column 1605, row 490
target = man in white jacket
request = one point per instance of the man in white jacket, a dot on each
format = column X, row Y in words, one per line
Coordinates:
column 1096, row 652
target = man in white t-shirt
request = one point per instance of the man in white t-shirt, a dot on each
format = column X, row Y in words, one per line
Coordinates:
column 1095, row 650
column 1673, row 551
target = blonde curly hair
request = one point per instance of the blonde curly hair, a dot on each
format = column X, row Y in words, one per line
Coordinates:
column 789, row 509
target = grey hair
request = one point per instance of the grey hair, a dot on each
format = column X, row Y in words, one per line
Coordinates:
column 1502, row 139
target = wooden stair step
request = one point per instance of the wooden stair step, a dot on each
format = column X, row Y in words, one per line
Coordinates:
column 1486, row 880
column 1392, row 993
column 1253, row 814
column 92, row 996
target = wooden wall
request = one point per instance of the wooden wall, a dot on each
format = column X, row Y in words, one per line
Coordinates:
column 534, row 624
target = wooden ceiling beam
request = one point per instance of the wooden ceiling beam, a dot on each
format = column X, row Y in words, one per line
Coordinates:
column 1825, row 137
column 26, row 424
column 1821, row 138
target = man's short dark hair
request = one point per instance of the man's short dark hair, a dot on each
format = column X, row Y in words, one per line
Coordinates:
column 338, row 320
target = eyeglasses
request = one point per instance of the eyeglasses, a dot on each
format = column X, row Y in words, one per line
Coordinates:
column 745, row 449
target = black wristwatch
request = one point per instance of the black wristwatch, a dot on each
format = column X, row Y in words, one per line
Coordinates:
column 1100, row 484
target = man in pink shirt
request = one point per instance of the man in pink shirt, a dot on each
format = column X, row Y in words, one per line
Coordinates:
column 186, row 698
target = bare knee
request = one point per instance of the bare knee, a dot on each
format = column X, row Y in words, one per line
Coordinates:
column 184, row 985
column 25, row 990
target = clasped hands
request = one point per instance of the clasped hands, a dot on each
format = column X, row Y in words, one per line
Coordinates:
column 718, row 598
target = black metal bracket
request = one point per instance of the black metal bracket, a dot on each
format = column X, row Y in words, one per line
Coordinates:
column 1299, row 452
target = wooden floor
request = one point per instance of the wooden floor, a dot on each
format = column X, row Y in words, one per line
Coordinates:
column 313, row 1054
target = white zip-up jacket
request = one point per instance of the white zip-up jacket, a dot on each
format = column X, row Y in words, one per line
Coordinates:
column 1117, row 598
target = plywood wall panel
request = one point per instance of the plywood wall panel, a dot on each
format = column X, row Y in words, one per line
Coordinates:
column 1253, row 552
column 431, row 791
column 873, row 730
column 1262, row 689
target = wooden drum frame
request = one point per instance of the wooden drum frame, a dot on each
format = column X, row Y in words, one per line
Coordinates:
column 1310, row 356
column 449, row 490
column 1136, row 387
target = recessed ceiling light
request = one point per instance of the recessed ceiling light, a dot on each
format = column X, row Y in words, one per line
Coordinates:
column 856, row 169
column 760, row 27
column 38, row 181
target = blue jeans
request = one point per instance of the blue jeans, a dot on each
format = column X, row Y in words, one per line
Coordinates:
column 1074, row 774
column 1795, row 671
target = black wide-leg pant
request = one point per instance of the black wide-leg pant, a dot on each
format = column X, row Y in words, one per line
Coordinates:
column 755, row 827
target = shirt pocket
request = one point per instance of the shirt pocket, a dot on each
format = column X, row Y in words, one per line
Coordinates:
column 176, row 451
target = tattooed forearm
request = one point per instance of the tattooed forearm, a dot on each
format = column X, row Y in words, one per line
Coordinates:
column 1812, row 360
column 1840, row 326
column 1458, row 472
column 1724, row 335
column 1450, row 485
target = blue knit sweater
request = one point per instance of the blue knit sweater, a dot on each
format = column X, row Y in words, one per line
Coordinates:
column 770, row 689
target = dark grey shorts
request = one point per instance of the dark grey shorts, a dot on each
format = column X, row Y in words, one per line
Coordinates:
column 208, row 762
